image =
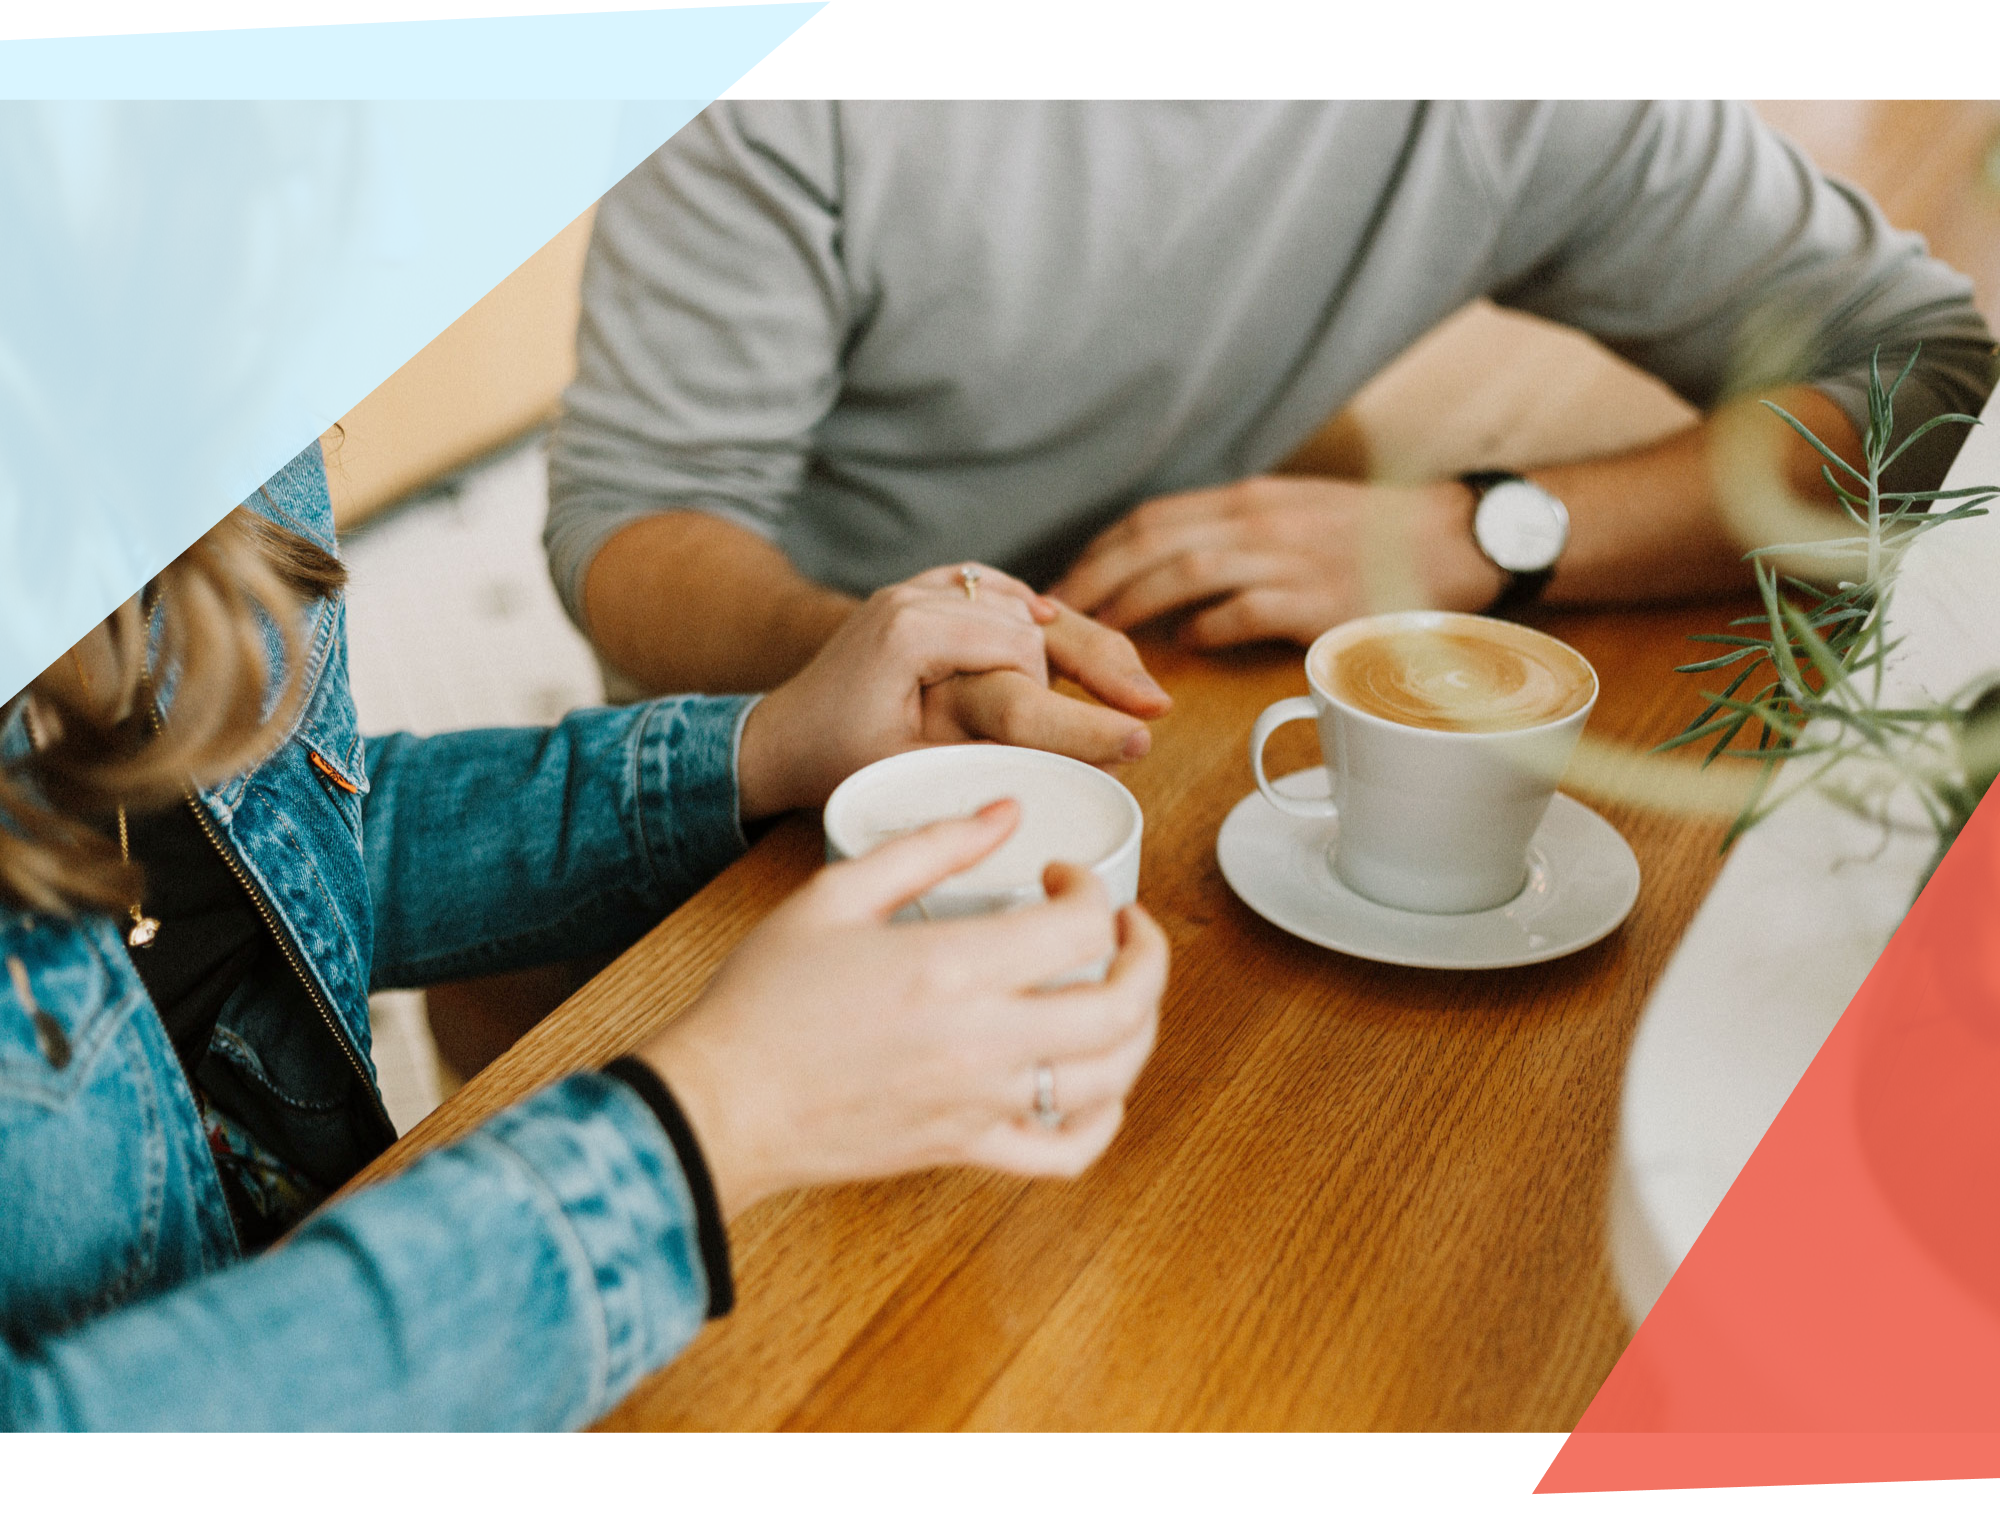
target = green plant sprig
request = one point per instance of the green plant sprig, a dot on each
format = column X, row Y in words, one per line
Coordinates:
column 1810, row 665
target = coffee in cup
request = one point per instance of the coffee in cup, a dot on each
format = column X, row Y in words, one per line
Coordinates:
column 1464, row 673
column 1070, row 813
column 1444, row 736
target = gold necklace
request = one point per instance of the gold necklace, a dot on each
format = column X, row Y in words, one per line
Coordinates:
column 144, row 931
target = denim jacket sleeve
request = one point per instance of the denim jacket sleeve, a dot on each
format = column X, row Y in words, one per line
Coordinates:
column 526, row 1277
column 611, row 817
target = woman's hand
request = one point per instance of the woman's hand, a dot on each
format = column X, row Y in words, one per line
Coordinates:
column 922, row 663
column 835, row 1046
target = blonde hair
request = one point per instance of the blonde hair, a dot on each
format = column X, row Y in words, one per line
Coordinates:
column 200, row 633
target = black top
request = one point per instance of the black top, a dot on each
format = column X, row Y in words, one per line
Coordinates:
column 210, row 934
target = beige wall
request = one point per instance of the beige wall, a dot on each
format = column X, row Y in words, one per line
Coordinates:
column 490, row 376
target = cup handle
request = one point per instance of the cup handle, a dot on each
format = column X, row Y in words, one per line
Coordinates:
column 1298, row 708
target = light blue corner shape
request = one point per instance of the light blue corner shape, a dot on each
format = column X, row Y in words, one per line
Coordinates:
column 195, row 285
column 192, row 291
column 682, row 54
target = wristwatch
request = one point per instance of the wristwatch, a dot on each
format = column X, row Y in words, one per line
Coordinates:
column 1520, row 528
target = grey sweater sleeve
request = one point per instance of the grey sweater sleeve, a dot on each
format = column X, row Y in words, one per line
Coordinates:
column 715, row 308
column 1701, row 245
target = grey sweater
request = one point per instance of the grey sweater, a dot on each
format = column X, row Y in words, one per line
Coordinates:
column 891, row 335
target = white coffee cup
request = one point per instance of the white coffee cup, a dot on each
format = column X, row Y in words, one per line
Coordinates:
column 1070, row 812
column 1434, row 819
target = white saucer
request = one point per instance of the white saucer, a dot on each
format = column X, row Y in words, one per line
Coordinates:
column 1582, row 881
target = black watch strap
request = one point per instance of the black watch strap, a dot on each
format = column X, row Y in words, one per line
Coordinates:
column 1518, row 589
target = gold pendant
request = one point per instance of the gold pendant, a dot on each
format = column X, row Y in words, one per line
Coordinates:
column 144, row 931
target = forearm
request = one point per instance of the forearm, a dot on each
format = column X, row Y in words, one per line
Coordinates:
column 686, row 602
column 513, row 846
column 1649, row 526
column 523, row 1279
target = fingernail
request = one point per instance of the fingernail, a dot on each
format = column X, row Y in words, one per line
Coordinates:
column 1147, row 684
column 1139, row 744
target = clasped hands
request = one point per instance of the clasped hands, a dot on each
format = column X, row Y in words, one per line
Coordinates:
column 921, row 663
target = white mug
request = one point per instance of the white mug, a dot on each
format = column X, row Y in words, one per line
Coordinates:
column 1070, row 812
column 1430, row 820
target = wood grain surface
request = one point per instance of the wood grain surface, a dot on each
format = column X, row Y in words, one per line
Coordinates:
column 1346, row 1196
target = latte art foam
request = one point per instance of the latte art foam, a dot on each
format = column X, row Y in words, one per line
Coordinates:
column 1461, row 675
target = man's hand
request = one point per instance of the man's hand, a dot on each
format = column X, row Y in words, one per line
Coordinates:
column 1280, row 558
column 1286, row 557
column 922, row 663
column 1011, row 707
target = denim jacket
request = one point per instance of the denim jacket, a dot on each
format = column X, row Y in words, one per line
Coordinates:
column 527, row 1276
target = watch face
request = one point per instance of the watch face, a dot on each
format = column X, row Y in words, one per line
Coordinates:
column 1520, row 526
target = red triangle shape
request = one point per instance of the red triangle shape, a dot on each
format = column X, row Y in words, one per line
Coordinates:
column 1839, row 1318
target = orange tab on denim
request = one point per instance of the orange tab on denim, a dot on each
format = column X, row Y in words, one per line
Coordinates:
column 333, row 774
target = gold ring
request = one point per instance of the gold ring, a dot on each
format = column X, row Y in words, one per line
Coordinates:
column 969, row 580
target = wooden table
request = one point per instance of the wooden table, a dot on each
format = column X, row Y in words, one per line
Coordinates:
column 1347, row 1196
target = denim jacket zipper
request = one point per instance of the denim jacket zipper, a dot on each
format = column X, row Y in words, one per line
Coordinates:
column 283, row 940
column 290, row 953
